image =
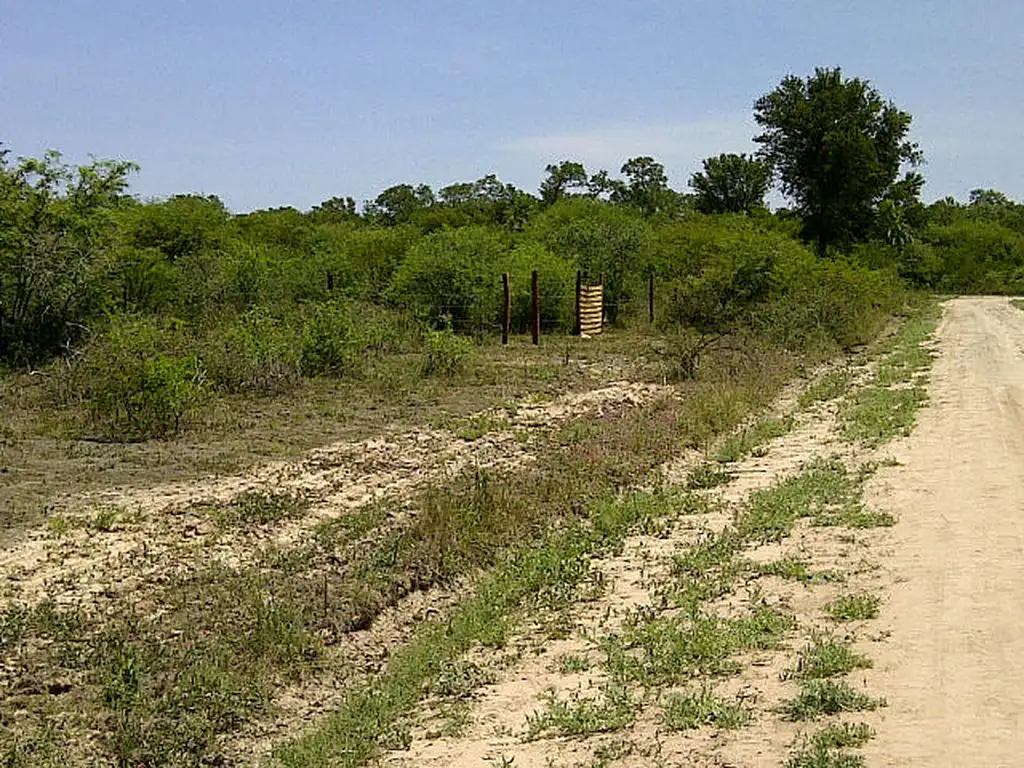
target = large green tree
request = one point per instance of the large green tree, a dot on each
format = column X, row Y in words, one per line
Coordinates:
column 731, row 183
column 838, row 149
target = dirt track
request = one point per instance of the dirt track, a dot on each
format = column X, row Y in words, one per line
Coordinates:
column 953, row 671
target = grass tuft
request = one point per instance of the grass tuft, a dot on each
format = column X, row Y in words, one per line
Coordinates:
column 826, row 657
column 854, row 607
column 818, row 698
column 685, row 711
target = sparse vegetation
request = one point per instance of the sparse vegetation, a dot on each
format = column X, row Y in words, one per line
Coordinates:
column 818, row 698
column 684, row 711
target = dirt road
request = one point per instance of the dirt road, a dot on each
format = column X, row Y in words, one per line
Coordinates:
column 953, row 670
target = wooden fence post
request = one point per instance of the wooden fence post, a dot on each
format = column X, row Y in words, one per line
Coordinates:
column 535, row 314
column 578, row 329
column 604, row 302
column 507, row 325
column 650, row 298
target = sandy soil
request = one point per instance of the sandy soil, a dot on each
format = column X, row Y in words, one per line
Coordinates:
column 953, row 669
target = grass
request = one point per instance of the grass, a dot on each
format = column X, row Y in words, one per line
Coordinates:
column 829, row 387
column 825, row 657
column 818, row 698
column 257, row 507
column 747, row 441
column 793, row 569
column 578, row 715
column 823, row 490
column 854, row 607
column 685, row 711
column 824, row 749
column 707, row 476
column 888, row 408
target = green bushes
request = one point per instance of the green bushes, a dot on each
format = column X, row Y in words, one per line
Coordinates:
column 255, row 353
column 138, row 381
column 454, row 274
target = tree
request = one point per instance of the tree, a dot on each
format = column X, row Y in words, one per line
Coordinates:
column 56, row 233
column 731, row 183
column 395, row 205
column 560, row 179
column 837, row 148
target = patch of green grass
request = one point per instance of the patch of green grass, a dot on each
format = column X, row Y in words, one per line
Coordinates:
column 257, row 507
column 351, row 526
column 659, row 650
column 855, row 516
column 818, row 698
column 843, row 735
column 571, row 663
column 825, row 748
column 819, row 757
column 793, row 569
column 746, row 441
column 707, row 476
column 349, row 736
column 828, row 387
column 823, row 488
column 854, row 607
column 685, row 711
column 825, row 657
column 877, row 415
column 613, row 710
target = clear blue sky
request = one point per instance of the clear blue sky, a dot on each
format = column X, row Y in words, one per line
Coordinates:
column 289, row 103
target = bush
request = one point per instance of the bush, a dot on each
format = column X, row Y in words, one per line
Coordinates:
column 330, row 344
column 138, row 381
column 454, row 274
column 447, row 353
column 255, row 353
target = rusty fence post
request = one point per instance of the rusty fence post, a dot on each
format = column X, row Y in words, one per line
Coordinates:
column 535, row 313
column 507, row 325
column 578, row 329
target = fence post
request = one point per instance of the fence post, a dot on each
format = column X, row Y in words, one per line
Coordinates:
column 604, row 302
column 535, row 314
column 650, row 298
column 507, row 325
column 578, row 329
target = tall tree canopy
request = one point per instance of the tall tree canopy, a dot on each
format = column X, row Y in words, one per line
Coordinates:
column 838, row 149
column 731, row 183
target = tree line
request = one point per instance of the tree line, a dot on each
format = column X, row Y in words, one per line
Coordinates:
column 185, row 296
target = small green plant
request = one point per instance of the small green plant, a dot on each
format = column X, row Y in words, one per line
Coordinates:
column 685, row 711
column 825, row 748
column 256, row 507
column 745, row 442
column 106, row 518
column 828, row 387
column 571, row 663
column 707, row 476
column 818, row 698
column 854, row 607
column 825, row 657
column 581, row 716
column 877, row 415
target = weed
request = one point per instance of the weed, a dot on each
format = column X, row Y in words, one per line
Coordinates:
column 259, row 508
column 707, row 476
column 825, row 748
column 877, row 415
column 854, row 607
column 826, row 657
column 741, row 444
column 842, row 736
column 793, row 569
column 818, row 757
column 828, row 387
column 571, row 663
column 693, row 710
column 827, row 697
column 581, row 716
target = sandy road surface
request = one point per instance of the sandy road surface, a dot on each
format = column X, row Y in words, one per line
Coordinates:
column 953, row 671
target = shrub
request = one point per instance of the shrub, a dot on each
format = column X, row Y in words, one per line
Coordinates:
column 329, row 341
column 138, row 382
column 256, row 352
column 454, row 274
column 447, row 353
column 557, row 278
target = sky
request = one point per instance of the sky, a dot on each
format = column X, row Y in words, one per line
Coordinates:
column 273, row 103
